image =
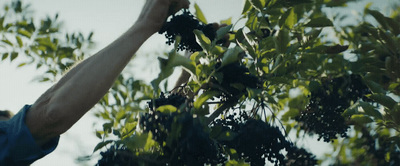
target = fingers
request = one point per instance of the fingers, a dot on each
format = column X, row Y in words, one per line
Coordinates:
column 177, row 5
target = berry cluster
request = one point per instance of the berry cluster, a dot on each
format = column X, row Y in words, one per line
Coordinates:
column 182, row 136
column 117, row 156
column 184, row 25
column 323, row 114
column 256, row 141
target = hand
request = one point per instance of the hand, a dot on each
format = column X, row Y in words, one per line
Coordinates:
column 155, row 12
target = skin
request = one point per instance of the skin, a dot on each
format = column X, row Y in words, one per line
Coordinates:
column 83, row 86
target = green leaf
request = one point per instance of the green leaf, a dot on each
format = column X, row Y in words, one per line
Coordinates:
column 99, row 134
column 282, row 40
column 247, row 6
column 107, row 127
column 21, row 64
column 336, row 49
column 199, row 14
column 245, row 43
column 384, row 100
column 378, row 17
column 139, row 141
column 361, row 119
column 319, row 22
column 167, row 65
column 221, row 32
column 375, row 87
column 226, row 21
column 288, row 19
column 5, row 55
column 290, row 114
column 202, row 111
column 353, row 109
column 13, row 55
column 218, row 50
column 24, row 33
column 101, row 144
column 370, row 110
column 167, row 109
column 203, row 98
column 258, row 4
column 231, row 56
column 203, row 40
column 19, row 41
column 7, row 42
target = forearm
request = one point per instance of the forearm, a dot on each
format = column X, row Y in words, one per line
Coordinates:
column 84, row 85
column 92, row 78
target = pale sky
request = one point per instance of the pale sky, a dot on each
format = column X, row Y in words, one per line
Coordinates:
column 108, row 19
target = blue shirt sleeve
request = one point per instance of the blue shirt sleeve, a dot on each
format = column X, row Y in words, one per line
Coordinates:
column 17, row 146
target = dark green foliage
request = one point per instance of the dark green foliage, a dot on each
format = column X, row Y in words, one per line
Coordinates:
column 235, row 74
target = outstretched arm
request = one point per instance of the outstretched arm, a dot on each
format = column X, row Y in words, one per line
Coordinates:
column 84, row 85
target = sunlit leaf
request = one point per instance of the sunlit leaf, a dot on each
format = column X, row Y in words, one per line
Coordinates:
column 167, row 109
column 258, row 4
column 202, row 39
column 247, row 6
column 7, row 42
column 288, row 19
column 19, row 41
column 204, row 97
column 24, row 33
column 199, row 14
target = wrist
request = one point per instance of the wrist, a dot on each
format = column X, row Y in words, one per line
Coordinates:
column 147, row 26
column 143, row 28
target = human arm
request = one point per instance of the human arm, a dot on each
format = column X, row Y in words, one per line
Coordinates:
column 85, row 84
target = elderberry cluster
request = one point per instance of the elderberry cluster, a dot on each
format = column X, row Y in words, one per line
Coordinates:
column 183, row 139
column 255, row 141
column 323, row 114
column 116, row 156
column 184, row 25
